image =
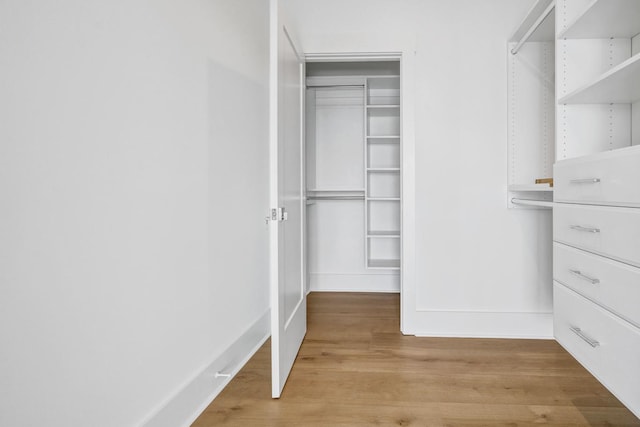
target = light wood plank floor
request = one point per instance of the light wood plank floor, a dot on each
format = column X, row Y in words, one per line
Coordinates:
column 356, row 369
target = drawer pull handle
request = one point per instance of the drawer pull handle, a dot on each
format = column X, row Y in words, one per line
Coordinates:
column 585, row 229
column 584, row 277
column 585, row 181
column 593, row 343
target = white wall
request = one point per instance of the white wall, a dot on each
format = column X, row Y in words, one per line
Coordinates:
column 133, row 190
column 472, row 254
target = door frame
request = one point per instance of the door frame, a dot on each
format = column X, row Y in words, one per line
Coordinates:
column 407, row 169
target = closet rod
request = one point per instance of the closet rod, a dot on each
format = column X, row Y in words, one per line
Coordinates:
column 534, row 27
column 333, row 86
column 542, row 203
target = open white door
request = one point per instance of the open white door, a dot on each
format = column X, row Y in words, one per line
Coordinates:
column 288, row 295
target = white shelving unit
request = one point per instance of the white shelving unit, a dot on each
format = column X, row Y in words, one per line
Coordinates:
column 531, row 106
column 598, row 76
column 598, row 117
column 382, row 172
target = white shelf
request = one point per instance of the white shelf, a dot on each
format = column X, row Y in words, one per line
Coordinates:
column 531, row 187
column 374, row 139
column 383, row 169
column 383, row 106
column 335, row 190
column 384, row 199
column 605, row 19
column 537, row 203
column 393, row 264
column 620, row 85
column 383, row 234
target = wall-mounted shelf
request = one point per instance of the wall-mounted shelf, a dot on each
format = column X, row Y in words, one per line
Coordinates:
column 334, row 194
column 383, row 169
column 620, row 85
column 335, row 190
column 383, row 234
column 389, row 139
column 536, row 203
column 383, row 106
column 387, row 264
column 531, row 187
column 605, row 19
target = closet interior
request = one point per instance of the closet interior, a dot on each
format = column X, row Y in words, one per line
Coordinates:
column 353, row 176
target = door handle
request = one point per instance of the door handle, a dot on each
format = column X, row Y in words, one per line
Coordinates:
column 585, row 181
column 585, row 229
column 593, row 343
column 579, row 274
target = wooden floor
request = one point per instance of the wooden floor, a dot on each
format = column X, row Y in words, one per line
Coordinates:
column 356, row 369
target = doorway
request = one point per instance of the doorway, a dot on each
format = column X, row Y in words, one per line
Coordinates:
column 353, row 173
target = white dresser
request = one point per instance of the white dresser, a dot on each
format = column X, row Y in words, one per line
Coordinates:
column 596, row 267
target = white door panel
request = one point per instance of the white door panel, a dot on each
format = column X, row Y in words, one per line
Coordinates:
column 288, row 296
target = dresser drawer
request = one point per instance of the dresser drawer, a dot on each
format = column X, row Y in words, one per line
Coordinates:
column 608, row 231
column 609, row 178
column 610, row 283
column 606, row 345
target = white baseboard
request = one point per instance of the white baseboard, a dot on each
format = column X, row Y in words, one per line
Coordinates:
column 192, row 399
column 335, row 282
column 482, row 325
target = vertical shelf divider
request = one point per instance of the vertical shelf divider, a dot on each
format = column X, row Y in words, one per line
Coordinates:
column 365, row 151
